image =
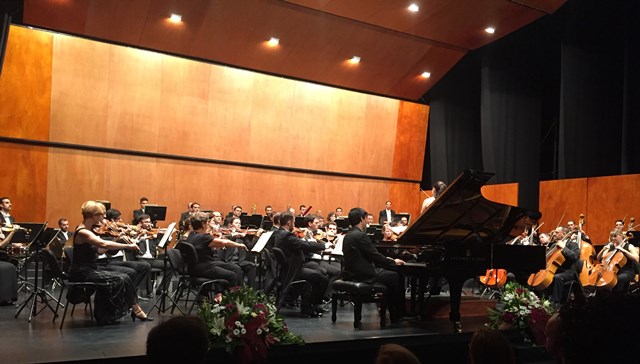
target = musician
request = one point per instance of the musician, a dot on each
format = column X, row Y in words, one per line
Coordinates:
column 236, row 210
column 268, row 212
column 403, row 221
column 331, row 217
column 294, row 248
column 192, row 207
column 302, row 210
column 5, row 211
column 544, row 239
column 319, row 261
column 369, row 219
column 8, row 276
column 619, row 224
column 61, row 239
column 566, row 272
column 338, row 212
column 136, row 213
column 387, row 215
column 363, row 263
column 216, row 221
column 207, row 266
column 138, row 271
column 573, row 227
column 115, row 292
column 436, row 191
column 235, row 256
column 148, row 244
column 627, row 272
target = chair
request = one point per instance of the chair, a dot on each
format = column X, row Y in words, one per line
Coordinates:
column 286, row 272
column 359, row 293
column 78, row 292
column 185, row 262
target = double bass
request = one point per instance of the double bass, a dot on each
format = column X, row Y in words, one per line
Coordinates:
column 586, row 255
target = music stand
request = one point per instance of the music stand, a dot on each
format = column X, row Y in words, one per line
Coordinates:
column 257, row 249
column 343, row 224
column 35, row 248
column 299, row 222
column 250, row 221
column 160, row 303
column 267, row 224
column 106, row 204
column 156, row 212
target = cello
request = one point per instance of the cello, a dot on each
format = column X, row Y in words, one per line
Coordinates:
column 605, row 275
column 543, row 279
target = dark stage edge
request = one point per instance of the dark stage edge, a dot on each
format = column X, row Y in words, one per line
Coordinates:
column 81, row 341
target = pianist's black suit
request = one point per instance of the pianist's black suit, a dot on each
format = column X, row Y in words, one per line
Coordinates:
column 363, row 263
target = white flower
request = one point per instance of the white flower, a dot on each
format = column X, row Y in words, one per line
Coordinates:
column 243, row 331
column 238, row 323
column 259, row 331
column 236, row 332
column 242, row 309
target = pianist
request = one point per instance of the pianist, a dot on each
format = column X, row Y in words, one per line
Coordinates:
column 363, row 263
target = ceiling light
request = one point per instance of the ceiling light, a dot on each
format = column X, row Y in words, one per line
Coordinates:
column 273, row 42
column 354, row 60
column 414, row 8
column 175, row 18
column 490, row 30
column 425, row 74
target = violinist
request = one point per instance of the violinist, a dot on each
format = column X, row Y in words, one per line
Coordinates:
column 5, row 209
column 293, row 248
column 215, row 224
column 115, row 292
column 627, row 272
column 388, row 234
column 137, row 270
column 320, row 261
column 567, row 271
column 338, row 212
column 236, row 256
column 331, row 217
column 208, row 266
column 236, row 210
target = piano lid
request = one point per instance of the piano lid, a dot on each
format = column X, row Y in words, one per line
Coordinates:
column 461, row 212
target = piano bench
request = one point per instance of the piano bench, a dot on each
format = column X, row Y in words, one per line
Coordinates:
column 359, row 293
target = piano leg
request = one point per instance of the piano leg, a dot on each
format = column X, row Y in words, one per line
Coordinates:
column 455, row 294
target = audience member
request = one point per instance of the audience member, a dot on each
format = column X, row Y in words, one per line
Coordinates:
column 178, row 340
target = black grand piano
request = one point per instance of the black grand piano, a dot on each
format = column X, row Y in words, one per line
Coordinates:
column 462, row 234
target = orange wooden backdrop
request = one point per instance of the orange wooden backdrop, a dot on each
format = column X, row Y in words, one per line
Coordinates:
column 65, row 89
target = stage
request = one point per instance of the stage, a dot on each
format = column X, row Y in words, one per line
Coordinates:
column 81, row 340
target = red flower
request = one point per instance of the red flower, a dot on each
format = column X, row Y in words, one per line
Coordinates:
column 509, row 318
column 537, row 323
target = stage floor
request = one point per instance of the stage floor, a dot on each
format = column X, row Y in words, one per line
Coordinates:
column 81, row 339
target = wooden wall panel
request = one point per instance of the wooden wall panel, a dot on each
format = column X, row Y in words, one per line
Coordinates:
column 410, row 141
column 24, row 180
column 611, row 198
column 146, row 101
column 77, row 176
column 563, row 197
column 25, row 84
column 503, row 193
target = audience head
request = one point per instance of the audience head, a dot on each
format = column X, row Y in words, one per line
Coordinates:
column 490, row 347
column 178, row 340
column 395, row 354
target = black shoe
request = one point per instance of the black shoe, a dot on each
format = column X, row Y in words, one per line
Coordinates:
column 310, row 313
column 139, row 316
column 321, row 309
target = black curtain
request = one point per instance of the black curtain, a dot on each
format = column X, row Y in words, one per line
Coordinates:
column 559, row 98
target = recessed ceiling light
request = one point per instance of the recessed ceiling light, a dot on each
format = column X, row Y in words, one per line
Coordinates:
column 273, row 41
column 490, row 30
column 175, row 18
column 414, row 8
column 354, row 60
column 425, row 74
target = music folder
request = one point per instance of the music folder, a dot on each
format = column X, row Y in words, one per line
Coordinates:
column 337, row 250
column 262, row 241
column 167, row 235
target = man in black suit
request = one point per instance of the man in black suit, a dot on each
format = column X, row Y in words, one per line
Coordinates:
column 193, row 207
column 5, row 209
column 387, row 214
column 294, row 248
column 136, row 213
column 363, row 263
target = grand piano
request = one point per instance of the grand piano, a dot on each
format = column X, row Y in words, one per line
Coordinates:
column 462, row 234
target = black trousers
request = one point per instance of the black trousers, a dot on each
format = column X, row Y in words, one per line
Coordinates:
column 395, row 291
column 319, row 283
column 560, row 286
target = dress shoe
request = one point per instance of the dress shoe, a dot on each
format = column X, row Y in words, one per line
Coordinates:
column 310, row 313
column 140, row 315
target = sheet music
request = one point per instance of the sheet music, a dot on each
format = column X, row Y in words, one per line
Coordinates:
column 262, row 241
column 398, row 229
column 338, row 248
column 167, row 235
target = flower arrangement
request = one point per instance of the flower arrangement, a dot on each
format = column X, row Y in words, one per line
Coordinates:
column 521, row 309
column 245, row 323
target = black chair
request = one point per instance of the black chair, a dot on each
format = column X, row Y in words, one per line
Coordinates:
column 199, row 286
column 359, row 293
column 78, row 292
column 286, row 272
